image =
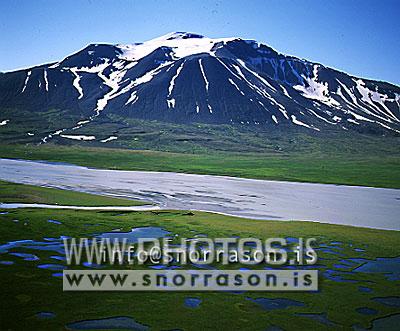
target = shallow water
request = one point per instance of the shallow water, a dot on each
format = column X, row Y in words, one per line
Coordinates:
column 329, row 251
column 192, row 302
column 365, row 289
column 276, row 303
column 366, row 311
column 136, row 233
column 6, row 262
column 26, row 256
column 92, row 265
column 57, row 245
column 337, row 276
column 388, row 266
column 53, row 267
column 54, row 222
column 45, row 315
column 58, row 257
column 388, row 301
column 386, row 323
column 261, row 199
column 112, row 323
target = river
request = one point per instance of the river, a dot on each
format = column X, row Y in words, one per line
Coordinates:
column 257, row 199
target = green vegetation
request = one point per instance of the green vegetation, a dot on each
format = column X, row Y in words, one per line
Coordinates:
column 278, row 153
column 352, row 169
column 27, row 290
column 10, row 192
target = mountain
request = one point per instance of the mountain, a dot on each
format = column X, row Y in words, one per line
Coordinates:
column 187, row 78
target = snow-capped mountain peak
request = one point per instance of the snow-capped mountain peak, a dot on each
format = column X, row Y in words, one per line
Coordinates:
column 186, row 77
column 182, row 44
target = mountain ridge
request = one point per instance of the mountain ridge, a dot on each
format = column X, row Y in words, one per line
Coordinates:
column 185, row 78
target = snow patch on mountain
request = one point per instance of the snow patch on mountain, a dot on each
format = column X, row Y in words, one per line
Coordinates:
column 132, row 99
column 172, row 82
column 316, row 90
column 75, row 82
column 204, row 75
column 26, row 81
column 78, row 137
column 51, row 135
column 373, row 98
column 235, row 85
column 285, row 92
column 182, row 44
column 298, row 122
column 46, row 80
column 171, row 103
column 109, row 139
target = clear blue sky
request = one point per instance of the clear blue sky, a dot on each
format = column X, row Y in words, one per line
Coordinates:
column 361, row 37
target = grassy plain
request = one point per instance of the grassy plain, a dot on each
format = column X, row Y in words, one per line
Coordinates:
column 279, row 153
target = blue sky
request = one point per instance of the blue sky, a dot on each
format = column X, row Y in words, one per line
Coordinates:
column 360, row 37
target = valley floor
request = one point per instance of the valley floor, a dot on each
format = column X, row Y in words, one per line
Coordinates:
column 32, row 296
column 332, row 156
column 31, row 289
column 363, row 169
